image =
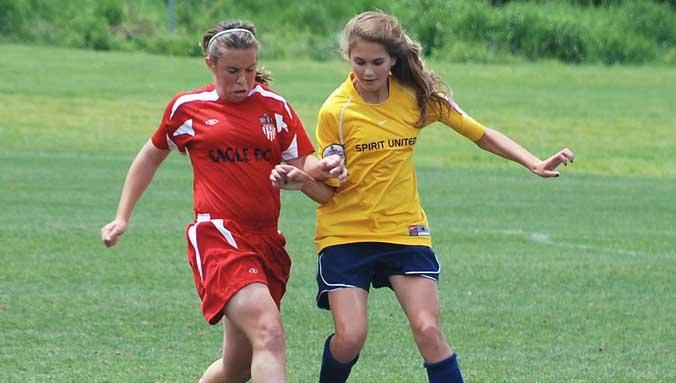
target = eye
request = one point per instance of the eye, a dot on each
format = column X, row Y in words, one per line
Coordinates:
column 359, row 61
column 232, row 70
column 250, row 70
column 378, row 62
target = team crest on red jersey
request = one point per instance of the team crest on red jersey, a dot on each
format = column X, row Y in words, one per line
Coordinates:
column 268, row 126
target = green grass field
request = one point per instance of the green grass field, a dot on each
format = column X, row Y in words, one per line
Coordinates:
column 564, row 280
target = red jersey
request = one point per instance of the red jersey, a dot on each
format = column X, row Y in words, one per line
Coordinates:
column 233, row 147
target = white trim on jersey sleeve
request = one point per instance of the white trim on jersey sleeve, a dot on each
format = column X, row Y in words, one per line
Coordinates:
column 185, row 128
column 202, row 96
column 266, row 93
column 171, row 144
column 292, row 151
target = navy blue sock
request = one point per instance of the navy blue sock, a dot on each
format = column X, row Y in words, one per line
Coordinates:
column 332, row 370
column 445, row 371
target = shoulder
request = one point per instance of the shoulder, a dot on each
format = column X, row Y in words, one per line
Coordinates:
column 272, row 99
column 404, row 93
column 335, row 103
column 207, row 93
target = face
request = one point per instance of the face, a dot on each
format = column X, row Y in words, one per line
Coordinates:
column 371, row 66
column 234, row 73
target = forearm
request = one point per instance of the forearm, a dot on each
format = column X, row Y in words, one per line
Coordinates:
column 140, row 175
column 312, row 166
column 503, row 146
column 318, row 191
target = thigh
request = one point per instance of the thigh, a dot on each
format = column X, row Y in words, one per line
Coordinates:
column 221, row 266
column 252, row 308
column 406, row 260
column 418, row 296
column 349, row 310
column 343, row 267
column 270, row 247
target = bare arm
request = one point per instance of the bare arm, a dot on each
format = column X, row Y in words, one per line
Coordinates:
column 497, row 143
column 307, row 173
column 292, row 178
column 140, row 174
column 328, row 167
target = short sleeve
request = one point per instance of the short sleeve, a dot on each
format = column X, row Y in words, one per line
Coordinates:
column 328, row 139
column 454, row 117
column 294, row 140
column 175, row 130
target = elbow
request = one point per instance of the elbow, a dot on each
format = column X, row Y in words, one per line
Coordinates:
column 323, row 199
column 487, row 141
column 321, row 194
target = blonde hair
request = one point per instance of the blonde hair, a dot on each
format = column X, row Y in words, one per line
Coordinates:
column 232, row 34
column 382, row 28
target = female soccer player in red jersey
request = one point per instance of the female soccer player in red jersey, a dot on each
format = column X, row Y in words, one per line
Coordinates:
column 372, row 230
column 235, row 131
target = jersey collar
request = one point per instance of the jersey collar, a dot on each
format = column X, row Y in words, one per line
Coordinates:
column 392, row 83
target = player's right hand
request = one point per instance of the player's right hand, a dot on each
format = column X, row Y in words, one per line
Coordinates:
column 112, row 231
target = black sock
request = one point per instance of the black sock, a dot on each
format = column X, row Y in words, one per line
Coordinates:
column 332, row 370
column 445, row 371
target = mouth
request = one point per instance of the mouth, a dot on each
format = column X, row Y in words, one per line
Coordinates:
column 240, row 93
column 236, row 95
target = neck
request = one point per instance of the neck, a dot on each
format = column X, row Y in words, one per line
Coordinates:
column 373, row 97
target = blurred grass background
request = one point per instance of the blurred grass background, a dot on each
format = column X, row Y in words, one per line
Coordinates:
column 543, row 280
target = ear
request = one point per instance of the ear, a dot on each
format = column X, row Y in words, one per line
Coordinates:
column 210, row 64
column 394, row 61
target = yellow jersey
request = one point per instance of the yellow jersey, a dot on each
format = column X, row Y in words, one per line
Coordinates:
column 379, row 202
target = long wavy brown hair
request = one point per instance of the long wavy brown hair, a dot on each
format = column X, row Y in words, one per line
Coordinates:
column 410, row 69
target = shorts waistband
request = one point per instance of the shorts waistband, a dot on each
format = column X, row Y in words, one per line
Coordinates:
column 205, row 217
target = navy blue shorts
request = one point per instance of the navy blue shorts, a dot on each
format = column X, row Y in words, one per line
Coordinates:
column 370, row 263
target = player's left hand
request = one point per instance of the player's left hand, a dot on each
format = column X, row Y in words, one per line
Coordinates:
column 288, row 177
column 333, row 166
column 547, row 167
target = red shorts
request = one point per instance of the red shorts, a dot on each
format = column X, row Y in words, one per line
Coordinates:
column 226, row 257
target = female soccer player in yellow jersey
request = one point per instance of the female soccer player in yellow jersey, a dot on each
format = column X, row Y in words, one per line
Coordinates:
column 371, row 230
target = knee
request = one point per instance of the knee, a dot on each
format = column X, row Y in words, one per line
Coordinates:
column 428, row 331
column 269, row 335
column 350, row 340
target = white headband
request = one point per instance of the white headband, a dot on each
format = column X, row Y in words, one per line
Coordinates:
column 221, row 33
